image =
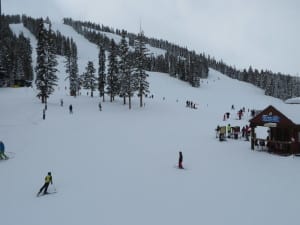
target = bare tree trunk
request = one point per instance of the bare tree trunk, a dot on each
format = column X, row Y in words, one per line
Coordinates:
column 129, row 101
column 141, row 100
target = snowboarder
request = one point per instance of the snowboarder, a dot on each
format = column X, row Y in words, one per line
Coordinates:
column 48, row 180
column 71, row 109
column 2, row 149
column 180, row 161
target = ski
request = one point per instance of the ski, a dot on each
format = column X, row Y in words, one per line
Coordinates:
column 42, row 194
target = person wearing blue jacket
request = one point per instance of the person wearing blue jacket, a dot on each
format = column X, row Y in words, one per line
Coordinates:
column 2, row 149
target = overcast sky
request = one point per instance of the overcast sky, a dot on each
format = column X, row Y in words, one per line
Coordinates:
column 262, row 33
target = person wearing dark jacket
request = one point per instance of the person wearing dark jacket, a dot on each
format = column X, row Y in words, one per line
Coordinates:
column 70, row 109
column 48, row 180
column 180, row 161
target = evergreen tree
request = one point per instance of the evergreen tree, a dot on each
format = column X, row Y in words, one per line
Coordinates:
column 74, row 79
column 41, row 64
column 68, row 56
column 52, row 62
column 88, row 78
column 70, row 51
column 46, row 63
column 101, row 72
column 112, row 72
column 26, row 52
column 139, row 71
column 127, row 82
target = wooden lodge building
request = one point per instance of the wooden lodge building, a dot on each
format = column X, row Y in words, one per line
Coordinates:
column 283, row 136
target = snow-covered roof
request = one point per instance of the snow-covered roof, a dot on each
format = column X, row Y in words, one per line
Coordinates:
column 291, row 111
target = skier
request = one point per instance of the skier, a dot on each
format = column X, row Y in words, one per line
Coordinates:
column 61, row 102
column 48, row 180
column 2, row 149
column 180, row 161
column 71, row 109
column 44, row 114
column 100, row 106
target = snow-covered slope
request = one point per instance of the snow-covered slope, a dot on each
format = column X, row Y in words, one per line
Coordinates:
column 152, row 51
column 117, row 166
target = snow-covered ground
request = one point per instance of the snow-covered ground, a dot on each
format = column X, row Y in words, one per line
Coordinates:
column 117, row 166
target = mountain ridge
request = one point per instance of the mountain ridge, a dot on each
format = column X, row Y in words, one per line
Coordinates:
column 275, row 84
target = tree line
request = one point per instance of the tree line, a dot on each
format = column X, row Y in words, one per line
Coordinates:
column 189, row 66
column 277, row 85
column 15, row 55
column 123, row 77
column 178, row 62
column 61, row 43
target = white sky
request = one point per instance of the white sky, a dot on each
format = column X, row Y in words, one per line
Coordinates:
column 261, row 33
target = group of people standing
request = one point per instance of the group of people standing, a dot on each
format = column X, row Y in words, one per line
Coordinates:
column 246, row 132
column 191, row 104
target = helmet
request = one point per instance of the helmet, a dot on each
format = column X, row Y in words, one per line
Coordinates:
column 49, row 173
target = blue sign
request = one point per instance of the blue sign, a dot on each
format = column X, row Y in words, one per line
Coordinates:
column 270, row 119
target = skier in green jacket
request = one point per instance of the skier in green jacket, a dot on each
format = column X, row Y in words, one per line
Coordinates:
column 48, row 180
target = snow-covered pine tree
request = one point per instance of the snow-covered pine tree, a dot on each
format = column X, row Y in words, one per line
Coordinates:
column 72, row 66
column 101, row 72
column 26, row 52
column 67, row 51
column 52, row 63
column 112, row 72
column 46, row 70
column 74, row 79
column 2, row 73
column 88, row 78
column 41, row 70
column 139, row 64
column 127, row 82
